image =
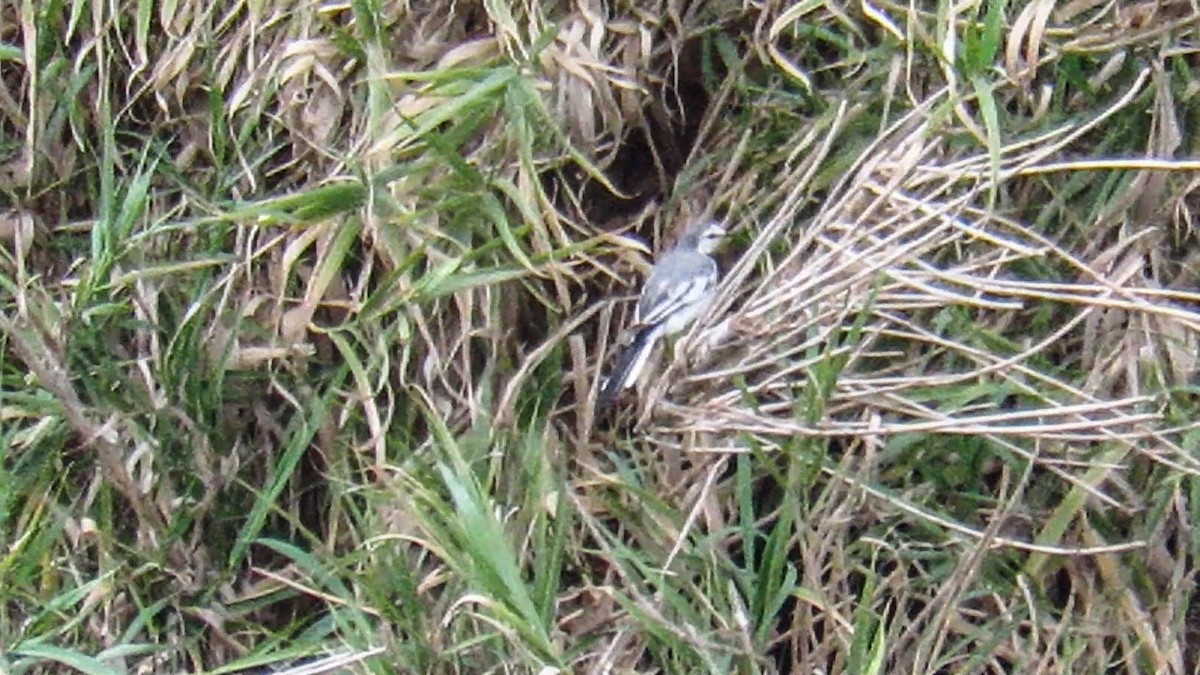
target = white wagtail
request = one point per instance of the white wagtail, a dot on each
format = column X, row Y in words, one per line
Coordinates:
column 680, row 286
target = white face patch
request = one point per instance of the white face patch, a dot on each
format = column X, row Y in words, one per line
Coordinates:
column 710, row 238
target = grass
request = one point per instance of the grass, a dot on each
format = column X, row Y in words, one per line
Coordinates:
column 302, row 312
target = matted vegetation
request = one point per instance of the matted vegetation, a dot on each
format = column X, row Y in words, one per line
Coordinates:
column 303, row 309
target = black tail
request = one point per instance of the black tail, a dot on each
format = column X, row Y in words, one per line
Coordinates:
column 629, row 366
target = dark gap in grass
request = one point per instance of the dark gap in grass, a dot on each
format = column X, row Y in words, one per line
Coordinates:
column 13, row 78
column 673, row 117
column 308, row 497
column 292, row 612
column 1191, row 631
column 531, row 325
column 1059, row 587
column 782, row 652
column 313, row 493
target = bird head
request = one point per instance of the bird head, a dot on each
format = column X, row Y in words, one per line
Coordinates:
column 707, row 236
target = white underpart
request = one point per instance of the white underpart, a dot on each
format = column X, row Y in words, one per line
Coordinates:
column 684, row 316
column 677, row 323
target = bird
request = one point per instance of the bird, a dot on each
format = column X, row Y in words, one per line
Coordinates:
column 679, row 289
